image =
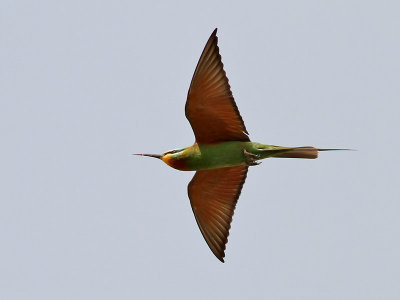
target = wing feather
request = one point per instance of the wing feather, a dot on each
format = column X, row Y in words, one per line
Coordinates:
column 210, row 107
column 213, row 195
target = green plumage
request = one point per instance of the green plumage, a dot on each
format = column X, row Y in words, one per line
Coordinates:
column 228, row 154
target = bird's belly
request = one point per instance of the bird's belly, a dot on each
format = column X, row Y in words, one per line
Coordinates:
column 220, row 155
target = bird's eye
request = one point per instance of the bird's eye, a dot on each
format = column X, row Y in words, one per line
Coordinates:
column 172, row 151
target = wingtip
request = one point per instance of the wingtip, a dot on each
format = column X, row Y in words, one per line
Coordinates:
column 221, row 254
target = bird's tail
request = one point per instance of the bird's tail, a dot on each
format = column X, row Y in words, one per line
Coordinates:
column 303, row 152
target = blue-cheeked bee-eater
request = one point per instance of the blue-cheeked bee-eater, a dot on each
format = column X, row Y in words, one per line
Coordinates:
column 222, row 151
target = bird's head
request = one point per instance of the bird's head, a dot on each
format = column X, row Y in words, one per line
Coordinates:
column 173, row 158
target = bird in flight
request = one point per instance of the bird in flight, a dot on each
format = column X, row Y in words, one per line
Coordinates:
column 222, row 151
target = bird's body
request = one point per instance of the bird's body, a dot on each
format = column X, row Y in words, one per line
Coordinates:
column 228, row 154
column 222, row 152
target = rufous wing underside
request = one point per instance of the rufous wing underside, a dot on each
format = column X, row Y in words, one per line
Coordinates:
column 213, row 195
column 210, row 107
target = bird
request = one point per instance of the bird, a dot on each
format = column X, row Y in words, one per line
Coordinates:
column 222, row 151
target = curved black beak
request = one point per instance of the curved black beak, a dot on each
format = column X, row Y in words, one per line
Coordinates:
column 150, row 155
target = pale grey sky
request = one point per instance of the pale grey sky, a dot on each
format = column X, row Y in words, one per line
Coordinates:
column 86, row 83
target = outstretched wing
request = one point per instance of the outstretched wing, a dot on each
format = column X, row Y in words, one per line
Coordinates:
column 213, row 195
column 210, row 107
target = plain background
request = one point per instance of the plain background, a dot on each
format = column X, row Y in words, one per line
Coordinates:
column 84, row 84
